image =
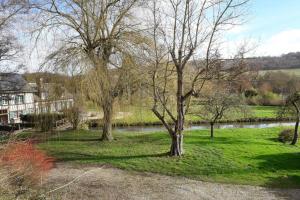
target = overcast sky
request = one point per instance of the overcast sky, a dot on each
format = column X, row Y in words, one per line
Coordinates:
column 273, row 26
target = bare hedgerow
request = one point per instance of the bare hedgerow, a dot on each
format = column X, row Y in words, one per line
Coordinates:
column 22, row 170
column 286, row 135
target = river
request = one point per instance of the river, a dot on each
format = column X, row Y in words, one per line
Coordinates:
column 205, row 126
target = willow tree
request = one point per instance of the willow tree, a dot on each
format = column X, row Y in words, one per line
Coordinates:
column 9, row 48
column 94, row 34
column 185, row 39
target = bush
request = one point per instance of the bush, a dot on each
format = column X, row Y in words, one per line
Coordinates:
column 286, row 135
column 22, row 167
column 83, row 126
column 254, row 101
column 250, row 93
column 73, row 115
column 271, row 99
column 4, row 136
column 266, row 99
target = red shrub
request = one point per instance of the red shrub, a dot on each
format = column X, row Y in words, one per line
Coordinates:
column 24, row 159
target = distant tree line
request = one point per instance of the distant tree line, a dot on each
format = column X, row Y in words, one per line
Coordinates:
column 269, row 89
column 285, row 61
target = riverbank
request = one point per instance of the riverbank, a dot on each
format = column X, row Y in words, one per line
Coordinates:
column 140, row 116
column 98, row 123
column 238, row 156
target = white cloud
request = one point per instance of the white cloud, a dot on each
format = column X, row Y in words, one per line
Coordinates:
column 276, row 45
column 237, row 30
column 280, row 43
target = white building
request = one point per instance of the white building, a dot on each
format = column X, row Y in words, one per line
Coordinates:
column 17, row 97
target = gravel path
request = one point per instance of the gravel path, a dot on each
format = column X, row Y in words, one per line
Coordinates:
column 106, row 183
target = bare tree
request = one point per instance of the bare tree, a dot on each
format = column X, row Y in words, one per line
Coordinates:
column 184, row 30
column 95, row 34
column 218, row 104
column 292, row 108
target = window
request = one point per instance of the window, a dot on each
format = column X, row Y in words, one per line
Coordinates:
column 19, row 99
column 4, row 101
column 44, row 95
column 56, row 106
column 12, row 100
column 13, row 115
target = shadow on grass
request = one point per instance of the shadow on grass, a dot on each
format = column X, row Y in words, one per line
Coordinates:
column 285, row 164
column 274, row 139
column 284, row 182
column 69, row 156
column 150, row 138
column 77, row 137
column 283, row 161
column 206, row 140
column 74, row 139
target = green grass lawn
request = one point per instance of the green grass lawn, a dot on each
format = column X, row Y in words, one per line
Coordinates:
column 264, row 111
column 239, row 156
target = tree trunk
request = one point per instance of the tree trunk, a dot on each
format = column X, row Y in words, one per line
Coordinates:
column 107, row 121
column 211, row 130
column 177, row 138
column 295, row 138
column 176, row 146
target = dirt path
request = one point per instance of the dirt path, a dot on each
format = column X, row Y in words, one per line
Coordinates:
column 105, row 183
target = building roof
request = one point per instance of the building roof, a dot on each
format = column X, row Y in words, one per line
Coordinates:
column 13, row 82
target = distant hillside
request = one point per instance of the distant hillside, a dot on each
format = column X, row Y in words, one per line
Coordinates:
column 286, row 61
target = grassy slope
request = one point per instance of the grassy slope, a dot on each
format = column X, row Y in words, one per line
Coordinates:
column 289, row 71
column 242, row 156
